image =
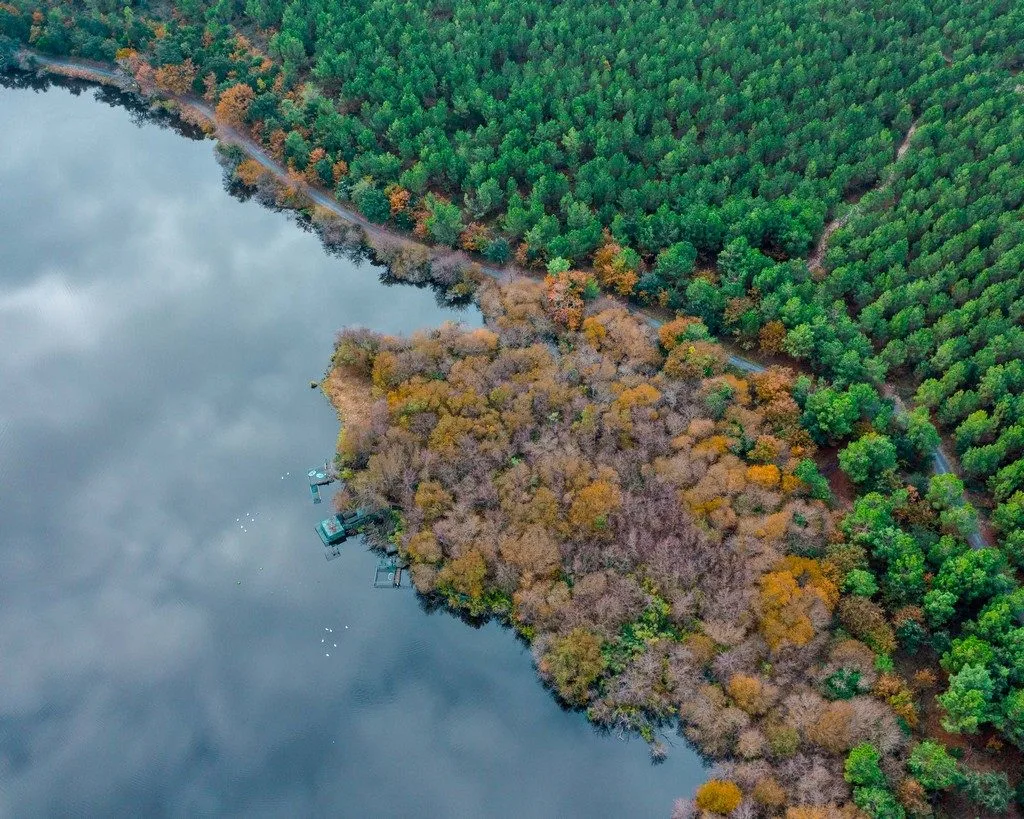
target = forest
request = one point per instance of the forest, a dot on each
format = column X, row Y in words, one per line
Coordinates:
column 837, row 189
column 659, row 530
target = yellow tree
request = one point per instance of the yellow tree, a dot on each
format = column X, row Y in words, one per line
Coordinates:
column 462, row 581
column 719, row 796
column 574, row 663
column 788, row 595
column 593, row 504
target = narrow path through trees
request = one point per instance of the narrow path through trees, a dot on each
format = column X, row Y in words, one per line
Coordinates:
column 818, row 254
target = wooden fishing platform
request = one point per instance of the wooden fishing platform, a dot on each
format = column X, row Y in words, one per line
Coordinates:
column 388, row 573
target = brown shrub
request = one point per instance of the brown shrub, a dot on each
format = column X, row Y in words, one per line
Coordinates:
column 923, row 679
column 574, row 663
column 846, row 557
column 750, row 744
column 831, row 730
column 432, row 499
column 463, row 577
column 769, row 792
column 866, row 620
column 702, row 647
column 808, row 812
column 535, row 551
column 746, row 693
column 913, row 797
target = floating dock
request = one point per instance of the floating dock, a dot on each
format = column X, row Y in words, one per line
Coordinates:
column 320, row 477
column 388, row 573
column 335, row 530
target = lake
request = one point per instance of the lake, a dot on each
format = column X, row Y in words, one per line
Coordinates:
column 173, row 641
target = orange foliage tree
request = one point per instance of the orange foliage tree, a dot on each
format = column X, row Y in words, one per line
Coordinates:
column 574, row 663
column 695, row 359
column 249, row 172
column 771, row 336
column 432, row 499
column 234, row 105
column 592, row 505
column 311, row 175
column 424, row 548
column 398, row 197
column 565, row 297
column 462, row 581
column 617, row 269
column 176, row 79
column 766, row 475
column 672, row 333
column 746, row 692
column 474, row 237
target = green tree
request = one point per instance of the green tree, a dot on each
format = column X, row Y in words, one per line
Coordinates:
column 990, row 790
column 863, row 766
column 558, row 265
column 869, row 459
column 705, row 300
column 675, row 263
column 373, row 204
column 932, row 766
column 444, row 222
column 968, row 700
column 498, row 250
column 817, row 484
column 921, row 433
column 1013, row 716
column 799, row 341
column 878, row 803
column 860, row 581
column 297, row 149
column 830, row 414
column 945, row 491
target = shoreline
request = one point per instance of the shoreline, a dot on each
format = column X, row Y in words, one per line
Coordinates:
column 939, row 463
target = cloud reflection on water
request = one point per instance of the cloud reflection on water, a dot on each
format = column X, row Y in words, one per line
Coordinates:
column 156, row 343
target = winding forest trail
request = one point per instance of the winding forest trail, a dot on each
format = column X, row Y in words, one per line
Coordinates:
column 818, row 254
column 941, row 463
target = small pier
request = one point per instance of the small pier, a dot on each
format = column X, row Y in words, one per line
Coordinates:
column 321, row 476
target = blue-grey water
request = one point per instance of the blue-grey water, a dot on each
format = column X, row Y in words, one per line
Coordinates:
column 166, row 612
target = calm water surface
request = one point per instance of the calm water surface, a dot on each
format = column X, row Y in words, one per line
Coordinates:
column 166, row 613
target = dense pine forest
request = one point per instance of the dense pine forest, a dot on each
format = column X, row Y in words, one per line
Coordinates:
column 835, row 187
